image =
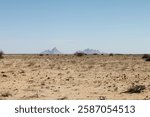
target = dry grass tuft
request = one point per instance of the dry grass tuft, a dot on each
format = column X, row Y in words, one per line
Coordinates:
column 6, row 94
column 135, row 89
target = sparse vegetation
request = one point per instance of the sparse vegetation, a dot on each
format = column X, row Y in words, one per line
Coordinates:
column 119, row 54
column 95, row 54
column 1, row 54
column 41, row 54
column 147, row 59
column 79, row 54
column 146, row 56
column 105, row 77
column 135, row 89
column 6, row 94
column 111, row 54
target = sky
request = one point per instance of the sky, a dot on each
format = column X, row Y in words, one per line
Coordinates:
column 115, row 26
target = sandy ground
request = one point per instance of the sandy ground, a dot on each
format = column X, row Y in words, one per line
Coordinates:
column 69, row 77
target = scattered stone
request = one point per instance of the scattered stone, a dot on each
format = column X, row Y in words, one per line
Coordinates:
column 102, row 98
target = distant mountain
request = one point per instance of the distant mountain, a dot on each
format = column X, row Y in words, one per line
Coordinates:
column 90, row 51
column 53, row 51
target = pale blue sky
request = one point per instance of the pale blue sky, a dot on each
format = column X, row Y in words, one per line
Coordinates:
column 118, row 26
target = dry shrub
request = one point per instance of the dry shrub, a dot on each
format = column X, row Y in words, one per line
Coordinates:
column 146, row 56
column 6, row 94
column 147, row 59
column 111, row 54
column 80, row 54
column 41, row 54
column 147, row 98
column 135, row 89
column 95, row 54
column 119, row 54
column 1, row 54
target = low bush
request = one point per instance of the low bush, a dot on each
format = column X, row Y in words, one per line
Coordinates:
column 147, row 59
column 41, row 54
column 1, row 54
column 95, row 53
column 111, row 54
column 146, row 56
column 80, row 54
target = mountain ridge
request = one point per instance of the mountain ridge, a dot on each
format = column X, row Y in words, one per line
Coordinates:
column 52, row 51
column 89, row 51
column 86, row 51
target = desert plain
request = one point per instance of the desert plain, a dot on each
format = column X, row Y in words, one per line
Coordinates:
column 71, row 77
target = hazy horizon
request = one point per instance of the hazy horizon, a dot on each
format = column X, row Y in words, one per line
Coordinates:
column 32, row 26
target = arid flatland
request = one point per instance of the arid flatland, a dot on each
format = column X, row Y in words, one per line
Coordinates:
column 72, row 77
